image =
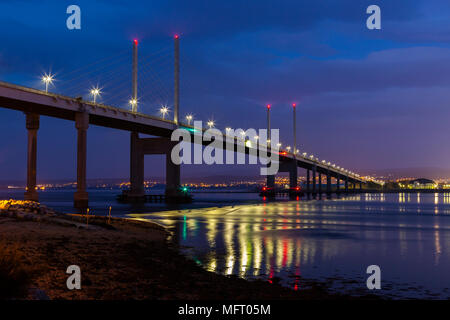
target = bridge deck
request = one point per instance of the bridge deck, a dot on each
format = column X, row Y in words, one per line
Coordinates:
column 59, row 106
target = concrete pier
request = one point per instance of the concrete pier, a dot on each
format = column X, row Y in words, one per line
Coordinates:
column 139, row 147
column 271, row 181
column 136, row 168
column 32, row 125
column 81, row 198
column 320, row 183
column 307, row 182
column 172, row 177
column 314, row 180
column 328, row 183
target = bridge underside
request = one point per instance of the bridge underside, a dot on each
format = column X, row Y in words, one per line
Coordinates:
column 139, row 147
column 35, row 103
column 314, row 185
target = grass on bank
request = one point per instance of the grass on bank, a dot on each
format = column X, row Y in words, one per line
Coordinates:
column 15, row 275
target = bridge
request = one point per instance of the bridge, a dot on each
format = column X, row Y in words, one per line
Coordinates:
column 35, row 103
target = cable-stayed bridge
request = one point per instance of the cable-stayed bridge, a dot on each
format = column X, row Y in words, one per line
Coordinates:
column 89, row 109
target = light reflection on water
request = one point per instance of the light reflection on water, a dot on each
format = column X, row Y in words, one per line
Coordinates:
column 407, row 235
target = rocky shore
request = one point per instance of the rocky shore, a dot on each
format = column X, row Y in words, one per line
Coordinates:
column 119, row 259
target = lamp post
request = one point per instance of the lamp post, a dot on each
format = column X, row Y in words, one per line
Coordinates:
column 95, row 92
column 47, row 79
column 189, row 118
column 164, row 110
column 133, row 102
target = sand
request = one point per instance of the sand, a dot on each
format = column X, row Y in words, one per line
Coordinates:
column 124, row 260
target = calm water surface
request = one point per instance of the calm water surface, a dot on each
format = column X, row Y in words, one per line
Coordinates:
column 407, row 235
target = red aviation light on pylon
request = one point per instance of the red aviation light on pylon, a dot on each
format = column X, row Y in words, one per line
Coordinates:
column 176, row 36
column 135, row 41
column 294, row 105
column 268, row 106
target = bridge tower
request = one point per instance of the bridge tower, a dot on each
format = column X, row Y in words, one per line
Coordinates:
column 176, row 99
column 139, row 147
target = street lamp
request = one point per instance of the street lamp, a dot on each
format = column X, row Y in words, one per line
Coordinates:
column 164, row 110
column 288, row 148
column 47, row 78
column 95, row 92
column 189, row 118
column 210, row 124
column 133, row 102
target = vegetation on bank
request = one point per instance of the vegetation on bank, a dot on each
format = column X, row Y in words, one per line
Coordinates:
column 15, row 275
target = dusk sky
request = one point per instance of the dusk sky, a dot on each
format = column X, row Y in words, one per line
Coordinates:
column 367, row 99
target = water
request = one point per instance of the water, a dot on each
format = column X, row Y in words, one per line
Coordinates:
column 407, row 235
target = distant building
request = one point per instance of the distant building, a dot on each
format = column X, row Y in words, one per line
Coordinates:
column 422, row 184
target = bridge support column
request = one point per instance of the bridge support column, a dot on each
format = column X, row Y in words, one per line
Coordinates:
column 328, row 183
column 307, row 182
column 346, row 184
column 164, row 146
column 314, row 180
column 32, row 125
column 293, row 177
column 271, row 181
column 320, row 183
column 360, row 186
column 173, row 182
column 136, row 168
column 338, row 183
column 81, row 198
column 291, row 168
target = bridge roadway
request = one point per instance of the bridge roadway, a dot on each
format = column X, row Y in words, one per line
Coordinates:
column 35, row 103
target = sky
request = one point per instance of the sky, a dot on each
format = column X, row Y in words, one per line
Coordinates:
column 367, row 99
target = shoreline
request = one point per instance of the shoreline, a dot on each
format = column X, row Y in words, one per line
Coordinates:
column 123, row 260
